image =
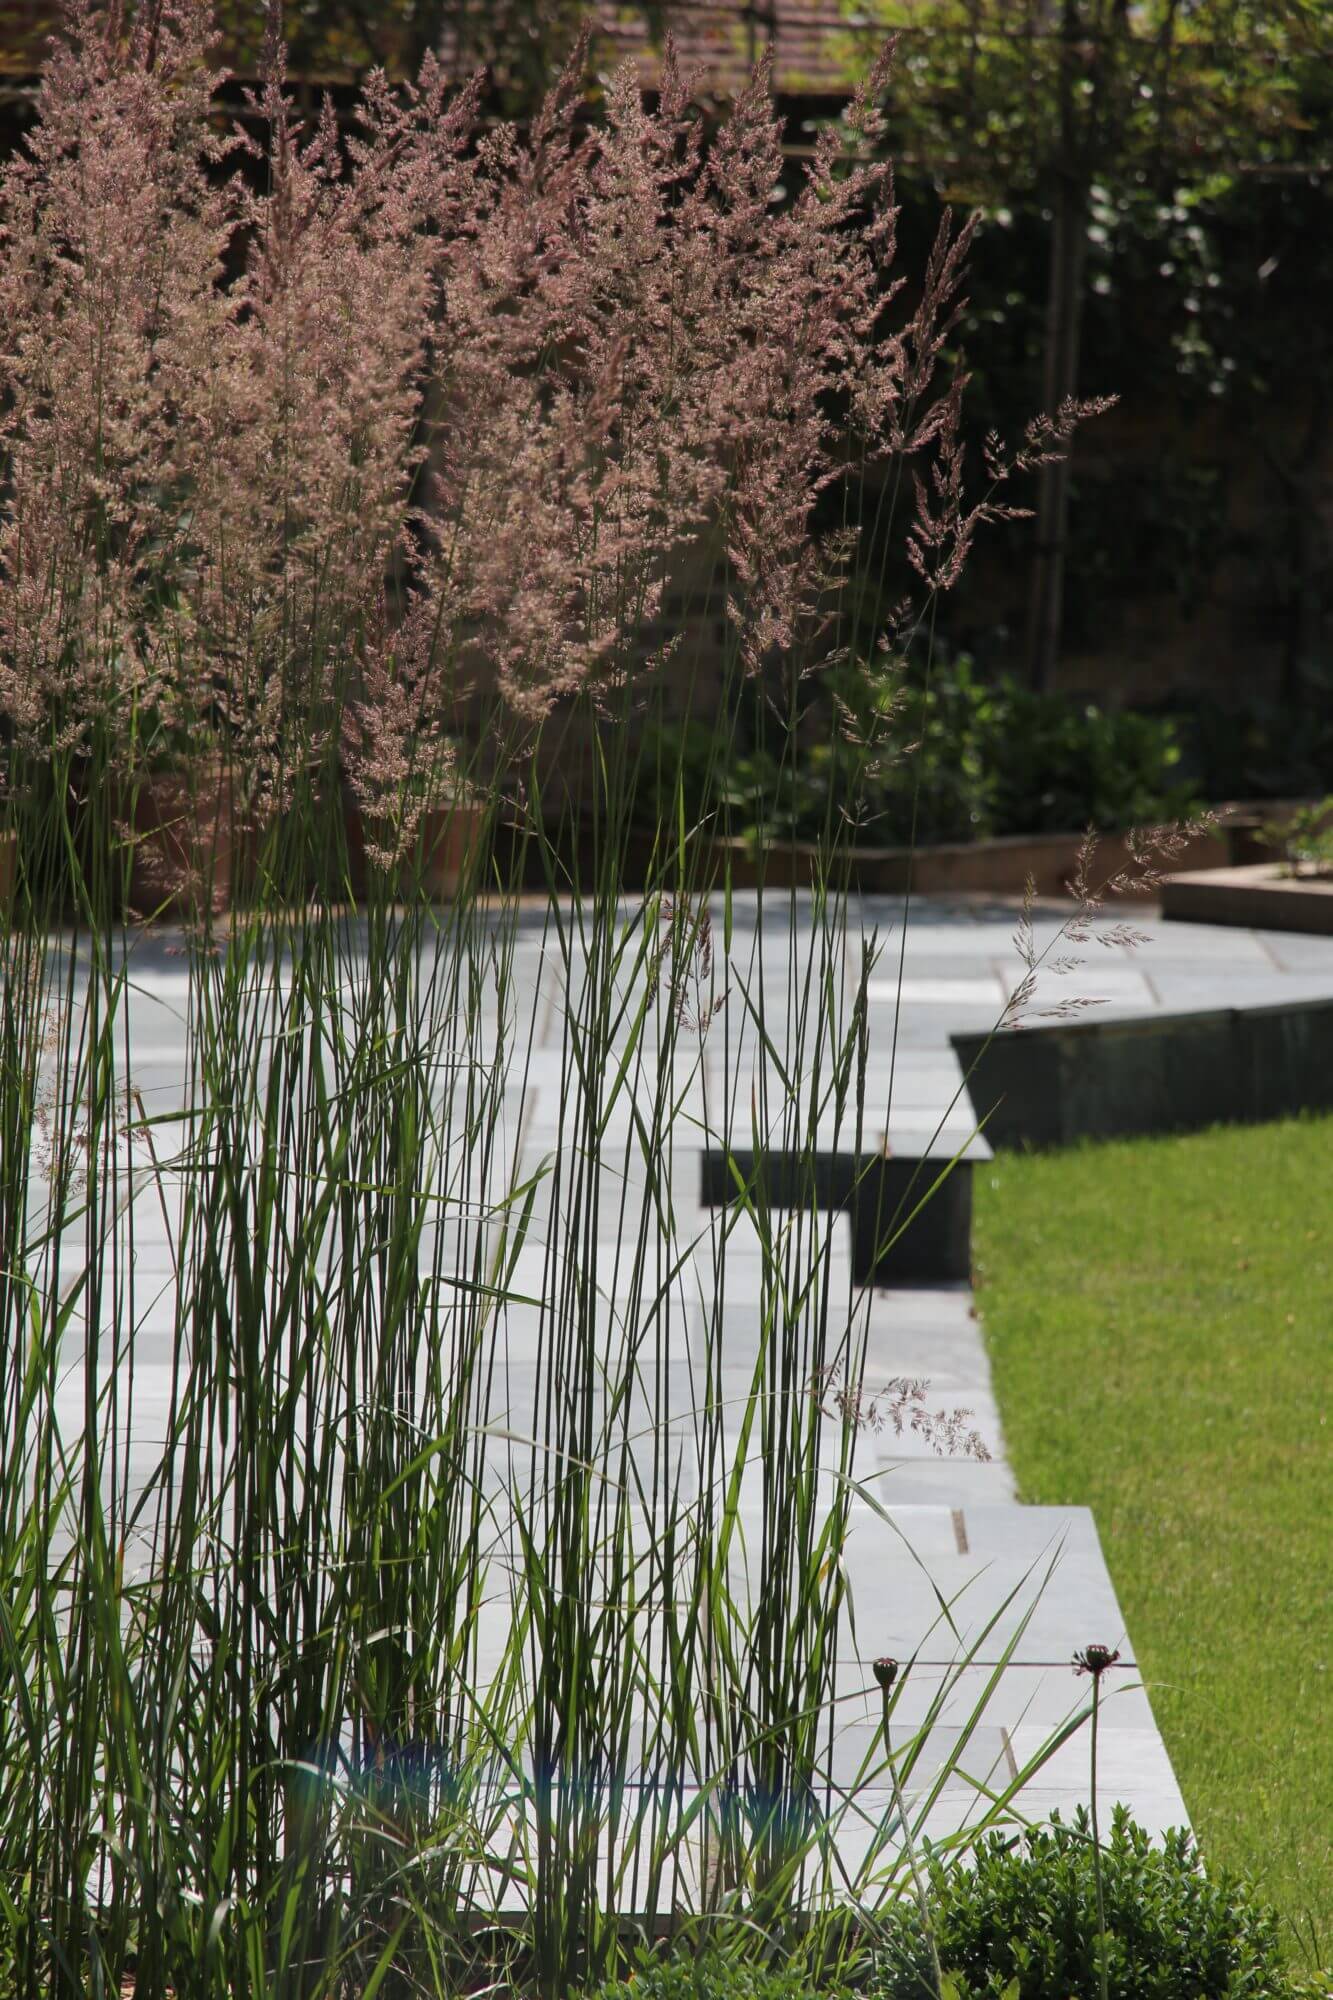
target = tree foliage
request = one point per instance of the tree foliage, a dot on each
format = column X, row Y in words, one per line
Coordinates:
column 1124, row 129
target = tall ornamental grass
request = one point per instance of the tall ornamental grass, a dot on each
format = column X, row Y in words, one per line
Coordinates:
column 409, row 1576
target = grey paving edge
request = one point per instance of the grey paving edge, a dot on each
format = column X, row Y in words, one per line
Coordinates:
column 1158, row 1073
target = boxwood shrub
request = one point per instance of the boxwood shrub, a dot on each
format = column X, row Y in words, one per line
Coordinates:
column 1020, row 1924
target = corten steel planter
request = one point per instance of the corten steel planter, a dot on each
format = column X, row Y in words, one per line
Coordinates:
column 448, row 840
column 1268, row 897
column 998, row 867
column 443, row 849
column 190, row 845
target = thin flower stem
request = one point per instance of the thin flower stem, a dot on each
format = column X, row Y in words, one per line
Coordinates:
column 1102, row 1969
column 922, row 1897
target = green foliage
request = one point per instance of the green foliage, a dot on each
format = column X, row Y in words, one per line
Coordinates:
column 1304, row 838
column 713, row 1976
column 1022, row 1923
column 953, row 757
column 1061, row 766
column 1147, row 91
column 1155, row 181
column 837, row 764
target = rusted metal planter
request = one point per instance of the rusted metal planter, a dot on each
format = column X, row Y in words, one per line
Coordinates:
column 443, row 850
column 190, row 844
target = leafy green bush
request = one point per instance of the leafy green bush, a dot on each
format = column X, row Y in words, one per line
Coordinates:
column 837, row 769
column 1060, row 767
column 713, row 1977
column 957, row 758
column 1304, row 839
column 1021, row 1924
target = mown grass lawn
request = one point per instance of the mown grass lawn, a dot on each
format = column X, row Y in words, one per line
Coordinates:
column 1160, row 1321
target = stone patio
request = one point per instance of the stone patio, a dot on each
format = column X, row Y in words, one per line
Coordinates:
column 931, row 1527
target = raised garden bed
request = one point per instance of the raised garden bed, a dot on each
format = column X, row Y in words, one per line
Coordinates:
column 1056, row 1085
column 999, row 867
column 1267, row 897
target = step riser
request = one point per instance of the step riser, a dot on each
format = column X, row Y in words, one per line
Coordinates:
column 1053, row 1086
column 911, row 1218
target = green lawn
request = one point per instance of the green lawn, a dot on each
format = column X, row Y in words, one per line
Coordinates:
column 1160, row 1320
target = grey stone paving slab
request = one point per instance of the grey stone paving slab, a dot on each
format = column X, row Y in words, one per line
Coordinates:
column 952, row 1482
column 953, row 1523
column 934, row 989
column 947, row 1363
column 1293, row 951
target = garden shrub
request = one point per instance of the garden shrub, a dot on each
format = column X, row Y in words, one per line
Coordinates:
column 975, row 758
column 1021, row 1923
column 715, row 1976
column 1061, row 765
